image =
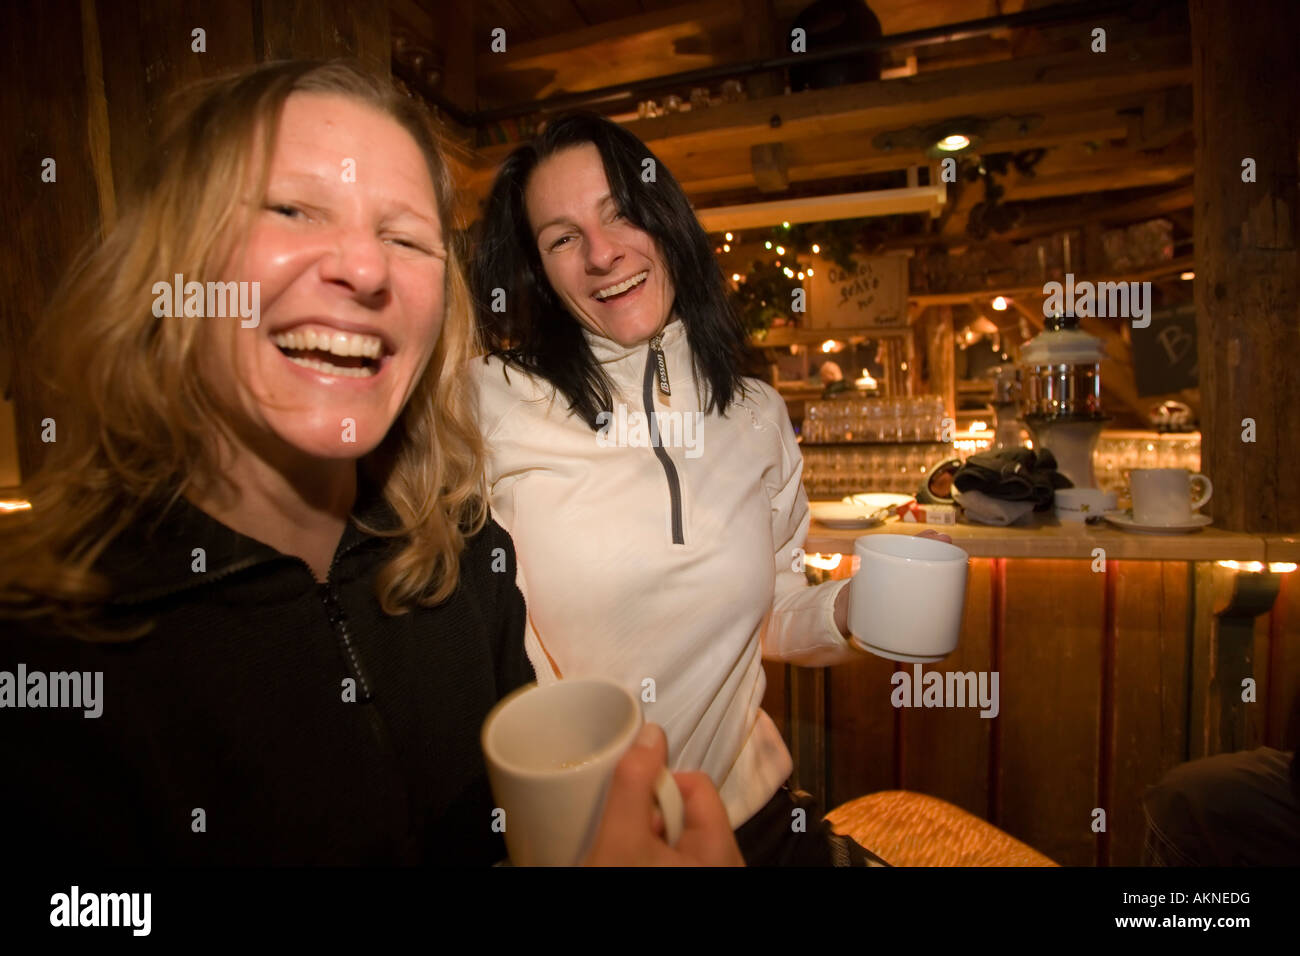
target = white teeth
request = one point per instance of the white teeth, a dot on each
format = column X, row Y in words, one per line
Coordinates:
column 622, row 286
column 329, row 369
column 337, row 343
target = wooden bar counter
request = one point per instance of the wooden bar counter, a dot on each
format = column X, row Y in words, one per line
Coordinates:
column 1111, row 672
column 1049, row 538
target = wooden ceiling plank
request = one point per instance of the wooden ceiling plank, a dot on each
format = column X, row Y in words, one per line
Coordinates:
column 1033, row 85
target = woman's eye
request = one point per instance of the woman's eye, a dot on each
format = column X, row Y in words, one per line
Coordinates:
column 407, row 244
column 559, row 242
column 284, row 209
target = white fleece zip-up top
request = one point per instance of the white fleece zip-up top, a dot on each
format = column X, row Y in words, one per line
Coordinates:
column 683, row 576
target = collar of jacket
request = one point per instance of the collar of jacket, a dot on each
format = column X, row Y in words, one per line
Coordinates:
column 610, row 354
column 154, row 558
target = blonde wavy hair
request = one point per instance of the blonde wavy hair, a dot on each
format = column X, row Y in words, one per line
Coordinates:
column 136, row 417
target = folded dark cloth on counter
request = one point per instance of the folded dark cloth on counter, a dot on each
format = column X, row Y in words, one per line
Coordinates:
column 1013, row 474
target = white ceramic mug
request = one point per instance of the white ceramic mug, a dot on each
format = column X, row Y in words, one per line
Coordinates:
column 905, row 602
column 1080, row 504
column 551, row 752
column 1163, row 496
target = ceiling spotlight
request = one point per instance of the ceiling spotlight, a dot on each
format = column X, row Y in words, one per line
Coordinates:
column 810, row 272
column 800, row 276
column 1187, row 276
column 953, row 142
column 735, row 277
column 789, row 273
column 1000, row 304
column 816, row 248
column 780, row 250
column 726, row 247
column 785, row 225
column 728, row 237
column 767, row 245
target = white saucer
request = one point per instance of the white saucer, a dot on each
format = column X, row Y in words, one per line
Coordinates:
column 873, row 500
column 1125, row 522
column 894, row 655
column 843, row 515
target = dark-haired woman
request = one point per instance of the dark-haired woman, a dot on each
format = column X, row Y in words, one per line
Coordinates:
column 654, row 495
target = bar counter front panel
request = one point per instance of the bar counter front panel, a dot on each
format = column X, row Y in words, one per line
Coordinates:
column 1110, row 673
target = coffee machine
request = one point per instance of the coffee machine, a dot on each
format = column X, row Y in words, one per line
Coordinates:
column 1061, row 399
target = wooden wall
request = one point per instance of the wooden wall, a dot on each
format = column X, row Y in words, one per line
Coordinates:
column 87, row 84
column 1095, row 680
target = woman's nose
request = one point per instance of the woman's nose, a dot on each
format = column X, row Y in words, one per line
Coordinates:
column 357, row 259
column 603, row 250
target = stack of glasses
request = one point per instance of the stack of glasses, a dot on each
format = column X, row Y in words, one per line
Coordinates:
column 910, row 419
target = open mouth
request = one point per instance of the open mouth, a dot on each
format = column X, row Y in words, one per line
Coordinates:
column 621, row 289
column 345, row 354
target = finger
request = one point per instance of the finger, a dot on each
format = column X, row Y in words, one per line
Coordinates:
column 631, row 790
column 706, row 834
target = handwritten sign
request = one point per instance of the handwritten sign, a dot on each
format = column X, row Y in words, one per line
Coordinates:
column 872, row 294
column 1164, row 353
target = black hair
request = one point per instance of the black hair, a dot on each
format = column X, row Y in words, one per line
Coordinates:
column 537, row 334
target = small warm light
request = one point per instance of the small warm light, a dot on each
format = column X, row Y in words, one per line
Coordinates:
column 735, row 277
column 953, row 142
column 726, row 247
column 979, row 426
column 785, row 225
column 800, row 276
column 823, row 562
column 830, row 345
column 817, row 248
column 718, row 249
column 728, row 237
column 768, row 244
column 778, row 263
column 789, row 273
column 15, row 504
column 1187, row 276
column 780, row 250
column 903, row 366
column 1257, row 567
column 810, row 272
column 1000, row 304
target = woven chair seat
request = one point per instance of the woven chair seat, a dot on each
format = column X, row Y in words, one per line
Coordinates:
column 912, row 829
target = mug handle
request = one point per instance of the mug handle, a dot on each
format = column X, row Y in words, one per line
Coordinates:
column 671, row 805
column 1209, row 490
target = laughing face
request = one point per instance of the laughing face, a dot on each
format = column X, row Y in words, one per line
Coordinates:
column 607, row 272
column 348, row 250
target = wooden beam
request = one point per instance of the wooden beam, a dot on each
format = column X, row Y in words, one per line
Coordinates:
column 669, row 40
column 1247, row 286
column 882, row 202
column 1037, row 84
column 768, row 162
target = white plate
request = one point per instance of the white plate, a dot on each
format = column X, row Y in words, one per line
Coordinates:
column 873, row 500
column 1125, row 522
column 842, row 514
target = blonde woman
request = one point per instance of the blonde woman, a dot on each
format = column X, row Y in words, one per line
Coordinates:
column 270, row 522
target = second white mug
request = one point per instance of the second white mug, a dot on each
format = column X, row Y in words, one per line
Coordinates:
column 1163, row 496
column 551, row 752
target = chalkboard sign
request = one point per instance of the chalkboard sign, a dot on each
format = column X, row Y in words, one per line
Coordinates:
column 871, row 294
column 1164, row 353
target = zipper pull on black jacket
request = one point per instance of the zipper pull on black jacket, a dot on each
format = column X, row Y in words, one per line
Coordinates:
column 656, row 346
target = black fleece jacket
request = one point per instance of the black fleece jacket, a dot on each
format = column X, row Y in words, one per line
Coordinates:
column 267, row 718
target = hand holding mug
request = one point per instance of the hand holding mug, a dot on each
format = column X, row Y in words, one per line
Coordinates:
column 632, row 830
